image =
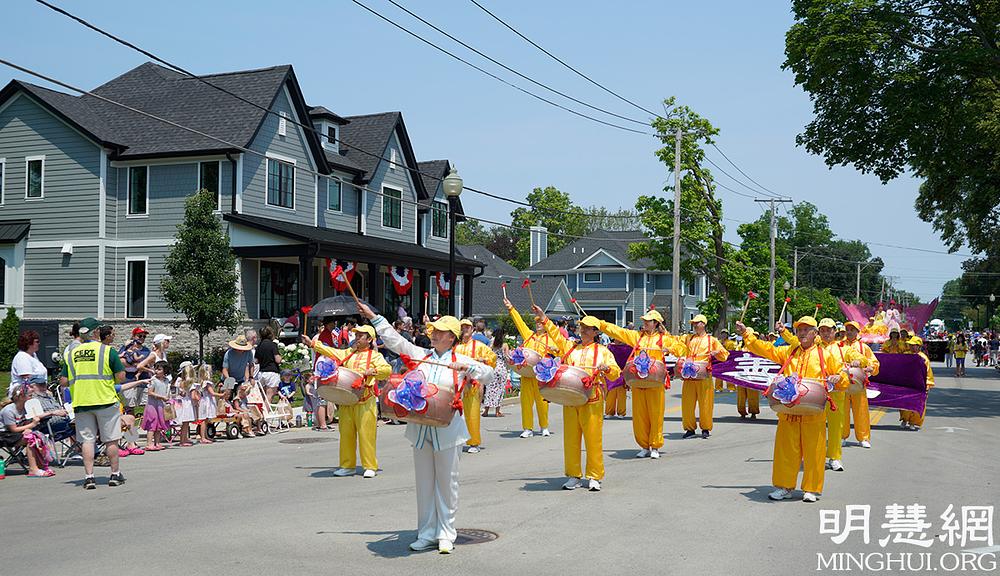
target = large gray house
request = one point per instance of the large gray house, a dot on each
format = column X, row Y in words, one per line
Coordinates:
column 91, row 194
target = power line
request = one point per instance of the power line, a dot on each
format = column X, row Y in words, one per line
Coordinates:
column 767, row 192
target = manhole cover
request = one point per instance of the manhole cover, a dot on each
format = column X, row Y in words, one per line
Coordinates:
column 475, row 536
column 305, row 440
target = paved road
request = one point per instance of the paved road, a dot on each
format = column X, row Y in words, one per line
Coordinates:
column 264, row 506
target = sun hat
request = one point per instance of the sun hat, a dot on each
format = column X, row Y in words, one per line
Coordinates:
column 238, row 343
column 447, row 324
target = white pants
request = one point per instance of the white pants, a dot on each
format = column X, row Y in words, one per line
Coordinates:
column 437, row 492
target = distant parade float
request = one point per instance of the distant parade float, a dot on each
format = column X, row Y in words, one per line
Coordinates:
column 878, row 322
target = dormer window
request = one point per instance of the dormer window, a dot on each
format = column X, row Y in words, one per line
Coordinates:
column 332, row 137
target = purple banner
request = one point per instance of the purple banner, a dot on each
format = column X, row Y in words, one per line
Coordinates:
column 900, row 383
column 621, row 352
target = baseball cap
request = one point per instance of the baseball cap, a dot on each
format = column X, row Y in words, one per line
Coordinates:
column 365, row 330
column 591, row 321
column 160, row 338
column 139, row 330
column 448, row 324
column 465, row 322
column 827, row 323
column 854, row 324
column 699, row 318
column 653, row 315
column 805, row 321
column 88, row 324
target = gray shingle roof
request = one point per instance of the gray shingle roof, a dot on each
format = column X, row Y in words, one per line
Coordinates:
column 370, row 133
column 14, row 230
column 428, row 171
column 342, row 162
column 487, row 295
column 323, row 112
column 614, row 243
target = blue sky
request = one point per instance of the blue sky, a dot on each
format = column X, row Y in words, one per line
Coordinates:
column 720, row 57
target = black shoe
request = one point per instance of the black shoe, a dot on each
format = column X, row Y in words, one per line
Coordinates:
column 705, row 434
column 689, row 434
column 753, row 416
column 116, row 479
column 89, row 483
column 743, row 416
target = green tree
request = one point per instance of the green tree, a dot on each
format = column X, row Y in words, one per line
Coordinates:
column 620, row 220
column 805, row 299
column 200, row 279
column 471, row 232
column 950, row 308
column 908, row 86
column 555, row 211
column 9, row 332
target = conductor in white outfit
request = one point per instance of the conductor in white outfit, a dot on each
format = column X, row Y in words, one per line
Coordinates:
column 436, row 450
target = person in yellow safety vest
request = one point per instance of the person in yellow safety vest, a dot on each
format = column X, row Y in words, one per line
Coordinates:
column 473, row 393
column 358, row 422
column 835, row 411
column 857, row 404
column 700, row 347
column 729, row 345
column 908, row 419
column 647, row 403
column 531, row 397
column 800, row 440
column 894, row 345
column 586, row 420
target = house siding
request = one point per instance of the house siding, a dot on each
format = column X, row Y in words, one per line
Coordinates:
column 347, row 218
column 609, row 281
column 60, row 286
column 434, row 242
column 399, row 179
column 116, row 276
column 250, row 282
column 70, row 207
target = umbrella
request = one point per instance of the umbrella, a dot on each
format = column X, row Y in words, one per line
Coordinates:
column 341, row 305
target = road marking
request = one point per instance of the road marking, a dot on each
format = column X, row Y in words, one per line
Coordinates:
column 875, row 415
column 985, row 550
column 950, row 428
column 673, row 409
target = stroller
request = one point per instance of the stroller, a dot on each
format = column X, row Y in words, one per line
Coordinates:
column 273, row 416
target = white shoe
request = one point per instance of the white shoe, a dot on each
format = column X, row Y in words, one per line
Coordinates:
column 527, row 434
column 866, row 444
column 654, row 454
column 809, row 497
column 827, row 464
column 545, row 432
column 344, row 472
column 836, row 466
column 914, row 427
column 780, row 494
column 422, row 544
column 594, row 485
column 904, row 425
column 369, row 473
column 642, row 453
column 572, row 483
column 473, row 449
column 445, row 546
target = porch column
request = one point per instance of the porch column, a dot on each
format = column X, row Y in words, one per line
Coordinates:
column 423, row 285
column 307, row 283
column 375, row 290
column 467, row 283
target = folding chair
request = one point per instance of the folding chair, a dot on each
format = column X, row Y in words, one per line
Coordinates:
column 14, row 455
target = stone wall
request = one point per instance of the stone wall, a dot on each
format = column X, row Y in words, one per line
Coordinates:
column 184, row 340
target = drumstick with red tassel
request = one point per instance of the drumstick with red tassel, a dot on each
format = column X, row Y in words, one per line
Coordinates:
column 784, row 307
column 818, row 308
column 338, row 272
column 750, row 296
column 527, row 284
column 427, row 296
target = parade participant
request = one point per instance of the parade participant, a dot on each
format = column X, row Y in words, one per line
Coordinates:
column 961, row 350
column 857, row 404
column 473, row 391
column 436, row 450
column 542, row 343
column 728, row 344
column 584, row 421
column 800, row 440
column 700, row 347
column 908, row 419
column 893, row 345
column 748, row 399
column 358, row 422
column 647, row 403
column 329, row 335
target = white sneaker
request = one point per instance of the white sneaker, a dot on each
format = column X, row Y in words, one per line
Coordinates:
column 344, row 472
column 642, row 453
column 827, row 464
column 809, row 497
column 836, row 466
column 369, row 473
column 780, row 494
column 594, row 485
column 473, row 449
column 904, row 425
column 914, row 427
column 866, row 444
column 572, row 483
column 654, row 454
column 527, row 434
column 545, row 432
column 445, row 546
column 421, row 544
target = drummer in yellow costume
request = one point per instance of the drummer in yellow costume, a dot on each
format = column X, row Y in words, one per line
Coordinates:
column 647, row 403
column 907, row 418
column 729, row 345
column 473, row 393
column 540, row 342
column 800, row 440
column 894, row 345
column 857, row 404
column 359, row 422
column 747, row 399
column 701, row 347
column 587, row 420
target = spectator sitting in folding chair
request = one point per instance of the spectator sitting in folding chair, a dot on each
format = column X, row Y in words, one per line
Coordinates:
column 19, row 437
column 55, row 421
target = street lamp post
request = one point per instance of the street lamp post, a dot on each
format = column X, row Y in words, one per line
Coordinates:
column 452, row 185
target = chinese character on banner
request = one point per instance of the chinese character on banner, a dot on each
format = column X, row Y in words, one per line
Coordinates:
column 975, row 525
column 753, row 369
column 903, row 522
column 856, row 519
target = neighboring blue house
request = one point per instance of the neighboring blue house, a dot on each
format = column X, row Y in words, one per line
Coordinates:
column 91, row 194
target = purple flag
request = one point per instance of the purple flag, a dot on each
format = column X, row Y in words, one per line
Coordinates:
column 621, row 352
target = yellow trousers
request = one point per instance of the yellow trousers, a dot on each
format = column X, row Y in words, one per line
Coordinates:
column 647, row 416
column 915, row 418
column 358, row 425
column 588, row 422
column 531, row 397
column 698, row 392
column 615, row 401
column 835, row 425
column 858, row 404
column 799, row 441
column 470, row 405
column 747, row 398
column 722, row 384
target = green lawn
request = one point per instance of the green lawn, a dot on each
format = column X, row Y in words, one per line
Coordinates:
column 4, row 380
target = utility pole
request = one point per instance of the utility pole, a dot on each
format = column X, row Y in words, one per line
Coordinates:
column 675, row 285
column 770, row 301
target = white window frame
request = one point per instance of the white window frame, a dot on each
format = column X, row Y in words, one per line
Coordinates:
column 128, row 192
column 600, row 278
column 218, row 195
column 283, row 124
column 27, row 161
column 3, row 176
column 393, row 159
column 381, row 216
column 145, row 287
column 327, row 143
column 340, row 192
column 447, row 218
column 267, row 179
